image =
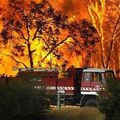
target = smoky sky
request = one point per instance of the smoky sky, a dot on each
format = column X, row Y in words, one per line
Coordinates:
column 76, row 8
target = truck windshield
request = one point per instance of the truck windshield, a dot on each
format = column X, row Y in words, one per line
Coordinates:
column 97, row 76
column 91, row 76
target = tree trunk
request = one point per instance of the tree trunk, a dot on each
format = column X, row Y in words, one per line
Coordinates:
column 30, row 56
column 116, row 56
column 99, row 56
column 109, row 54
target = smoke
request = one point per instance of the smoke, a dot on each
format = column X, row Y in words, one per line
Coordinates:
column 3, row 2
column 72, row 8
column 3, row 5
column 77, row 8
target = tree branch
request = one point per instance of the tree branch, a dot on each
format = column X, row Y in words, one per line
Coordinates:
column 115, row 28
column 43, row 40
column 27, row 27
column 33, row 51
column 16, row 60
column 35, row 34
column 20, row 31
column 61, row 42
column 114, row 35
column 109, row 55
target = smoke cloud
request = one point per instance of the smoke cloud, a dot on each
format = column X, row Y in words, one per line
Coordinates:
column 77, row 8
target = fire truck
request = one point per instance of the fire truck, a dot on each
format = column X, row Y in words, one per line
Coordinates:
column 78, row 86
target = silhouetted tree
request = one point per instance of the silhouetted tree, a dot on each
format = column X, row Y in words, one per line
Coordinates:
column 39, row 23
column 84, row 37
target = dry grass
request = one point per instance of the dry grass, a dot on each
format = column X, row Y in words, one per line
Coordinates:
column 75, row 113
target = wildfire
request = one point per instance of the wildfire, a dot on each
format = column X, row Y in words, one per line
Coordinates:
column 97, row 10
column 76, row 10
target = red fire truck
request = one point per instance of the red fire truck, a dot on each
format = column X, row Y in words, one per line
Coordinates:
column 78, row 86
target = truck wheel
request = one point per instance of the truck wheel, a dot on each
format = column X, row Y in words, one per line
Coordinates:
column 91, row 103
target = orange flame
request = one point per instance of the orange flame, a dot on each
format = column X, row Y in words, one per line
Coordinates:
column 76, row 10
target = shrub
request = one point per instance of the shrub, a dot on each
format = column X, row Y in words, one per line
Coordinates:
column 19, row 101
column 110, row 101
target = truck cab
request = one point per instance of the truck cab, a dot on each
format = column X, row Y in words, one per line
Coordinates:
column 93, row 80
column 97, row 75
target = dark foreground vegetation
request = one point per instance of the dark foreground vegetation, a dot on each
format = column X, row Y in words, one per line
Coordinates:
column 110, row 100
column 20, row 101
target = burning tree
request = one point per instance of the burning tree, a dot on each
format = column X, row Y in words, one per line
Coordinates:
column 81, row 40
column 38, row 31
column 96, row 10
column 112, row 35
column 30, row 27
column 84, row 37
column 105, row 16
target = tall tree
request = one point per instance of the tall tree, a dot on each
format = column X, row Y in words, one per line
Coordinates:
column 105, row 17
column 81, row 42
column 96, row 10
column 39, row 30
column 24, row 26
column 112, row 35
column 84, row 37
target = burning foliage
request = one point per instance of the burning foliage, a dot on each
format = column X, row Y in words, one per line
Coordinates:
column 38, row 35
column 51, row 33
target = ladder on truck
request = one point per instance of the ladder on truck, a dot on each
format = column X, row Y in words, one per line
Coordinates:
column 60, row 98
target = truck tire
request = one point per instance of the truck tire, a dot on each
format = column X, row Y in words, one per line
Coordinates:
column 91, row 103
